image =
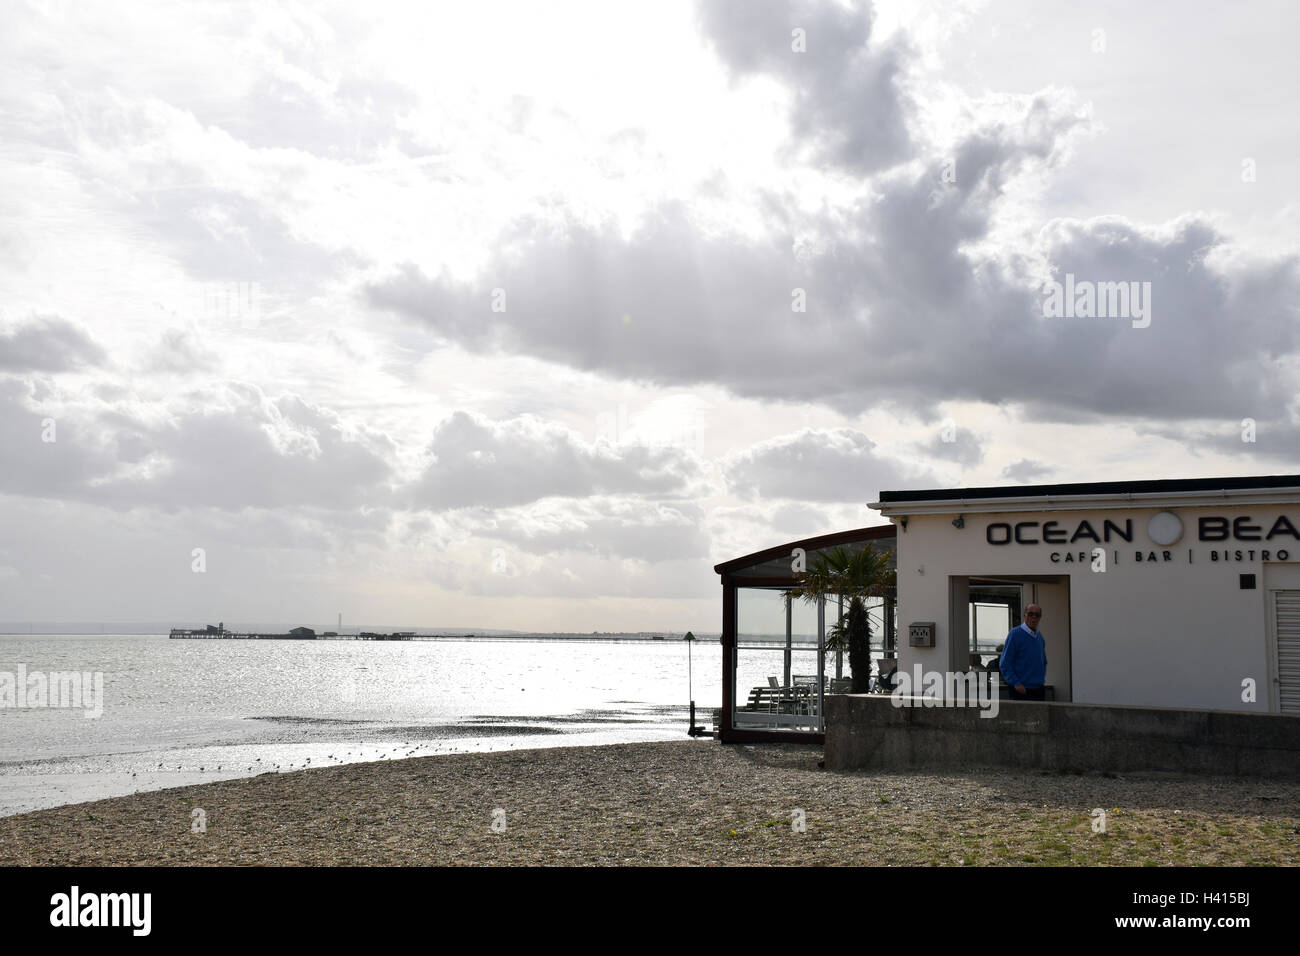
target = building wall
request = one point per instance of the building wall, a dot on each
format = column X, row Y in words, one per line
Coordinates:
column 1177, row 633
column 1055, row 600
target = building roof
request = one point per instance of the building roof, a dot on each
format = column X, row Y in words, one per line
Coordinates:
column 1159, row 486
column 781, row 552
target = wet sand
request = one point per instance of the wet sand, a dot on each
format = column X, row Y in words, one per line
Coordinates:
column 43, row 783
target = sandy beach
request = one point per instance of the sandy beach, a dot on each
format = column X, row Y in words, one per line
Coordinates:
column 687, row 802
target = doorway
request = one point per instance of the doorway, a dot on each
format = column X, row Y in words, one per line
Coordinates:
column 979, row 606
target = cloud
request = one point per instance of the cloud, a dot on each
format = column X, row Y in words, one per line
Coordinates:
column 1025, row 471
column 479, row 463
column 899, row 289
column 673, row 304
column 796, row 520
column 221, row 236
column 46, row 453
column 833, row 465
column 959, row 445
column 613, row 527
column 570, row 577
column 229, row 447
column 80, row 561
column 917, row 278
column 1220, row 324
column 241, row 448
column 181, row 351
column 653, row 232
column 1264, row 443
column 845, row 103
column 48, row 344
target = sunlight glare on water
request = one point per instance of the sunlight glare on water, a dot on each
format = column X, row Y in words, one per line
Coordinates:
column 175, row 710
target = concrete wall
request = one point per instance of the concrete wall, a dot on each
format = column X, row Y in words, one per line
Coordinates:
column 869, row 732
column 1179, row 633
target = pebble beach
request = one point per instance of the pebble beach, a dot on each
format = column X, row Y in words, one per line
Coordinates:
column 673, row 803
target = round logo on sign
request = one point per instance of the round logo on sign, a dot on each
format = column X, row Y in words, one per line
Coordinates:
column 1165, row 528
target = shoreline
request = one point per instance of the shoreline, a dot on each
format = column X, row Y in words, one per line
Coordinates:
column 691, row 802
column 46, row 783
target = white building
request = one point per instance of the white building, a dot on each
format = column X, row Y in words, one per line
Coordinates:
column 1176, row 593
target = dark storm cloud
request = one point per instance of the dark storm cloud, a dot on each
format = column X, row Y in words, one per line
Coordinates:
column 47, row 344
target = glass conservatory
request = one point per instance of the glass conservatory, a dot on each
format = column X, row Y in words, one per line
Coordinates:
column 777, row 667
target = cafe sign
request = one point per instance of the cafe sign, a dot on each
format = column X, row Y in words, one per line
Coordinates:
column 1163, row 529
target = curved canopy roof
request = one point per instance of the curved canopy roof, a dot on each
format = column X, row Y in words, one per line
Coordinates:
column 773, row 565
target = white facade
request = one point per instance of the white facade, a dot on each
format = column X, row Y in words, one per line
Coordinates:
column 1136, row 611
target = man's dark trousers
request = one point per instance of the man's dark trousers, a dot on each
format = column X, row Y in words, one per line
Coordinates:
column 1031, row 693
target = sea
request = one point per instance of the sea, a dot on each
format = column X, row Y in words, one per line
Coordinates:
column 179, row 712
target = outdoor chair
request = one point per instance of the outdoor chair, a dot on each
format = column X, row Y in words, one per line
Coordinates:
column 885, row 681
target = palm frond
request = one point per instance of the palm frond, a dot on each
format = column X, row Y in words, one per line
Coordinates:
column 846, row 573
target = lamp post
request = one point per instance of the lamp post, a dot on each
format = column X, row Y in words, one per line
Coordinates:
column 690, row 686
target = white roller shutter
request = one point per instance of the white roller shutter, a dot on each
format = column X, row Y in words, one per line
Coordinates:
column 1287, row 611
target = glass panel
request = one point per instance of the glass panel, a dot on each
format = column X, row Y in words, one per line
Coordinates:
column 881, row 645
column 781, row 566
column 775, row 678
column 876, row 620
column 994, row 610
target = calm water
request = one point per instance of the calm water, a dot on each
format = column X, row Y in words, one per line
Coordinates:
column 182, row 712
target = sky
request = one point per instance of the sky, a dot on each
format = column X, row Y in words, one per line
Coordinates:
column 519, row 315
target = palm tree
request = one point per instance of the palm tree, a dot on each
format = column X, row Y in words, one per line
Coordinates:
column 855, row 575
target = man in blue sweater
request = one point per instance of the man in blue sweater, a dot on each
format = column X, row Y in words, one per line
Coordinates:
column 1024, row 659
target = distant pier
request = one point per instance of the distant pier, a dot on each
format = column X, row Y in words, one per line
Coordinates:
column 219, row 633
